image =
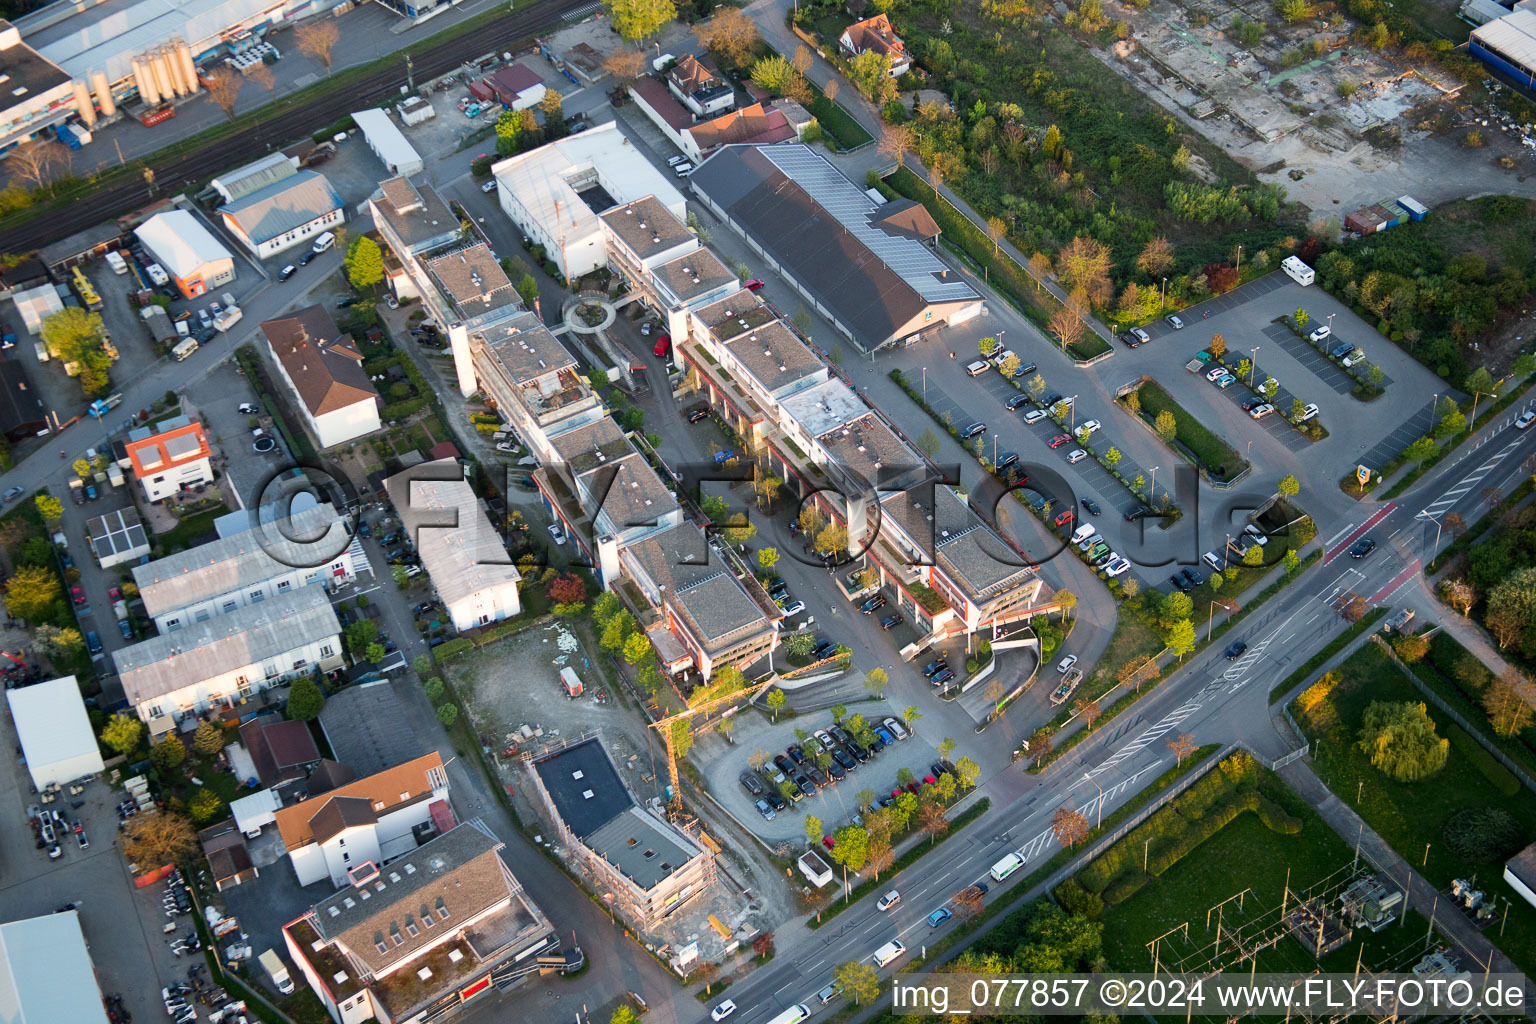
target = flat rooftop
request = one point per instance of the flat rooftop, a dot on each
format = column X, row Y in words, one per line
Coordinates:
column 696, row 274
column 594, row 444
column 416, row 213
column 525, row 349
column 867, row 447
column 825, row 407
column 632, row 493
column 646, row 226
column 472, row 280
column 776, row 357
column 700, row 586
column 459, row 547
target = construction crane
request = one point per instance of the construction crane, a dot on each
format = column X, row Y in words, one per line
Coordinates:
column 664, row 725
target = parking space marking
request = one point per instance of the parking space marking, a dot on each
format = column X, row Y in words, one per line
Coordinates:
column 1412, row 428
column 1303, row 352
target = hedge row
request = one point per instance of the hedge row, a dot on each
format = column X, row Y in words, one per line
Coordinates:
column 1502, row 778
column 1333, row 647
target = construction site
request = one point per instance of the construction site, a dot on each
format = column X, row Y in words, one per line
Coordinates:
column 591, row 777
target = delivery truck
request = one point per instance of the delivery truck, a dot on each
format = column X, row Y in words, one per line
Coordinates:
column 277, row 972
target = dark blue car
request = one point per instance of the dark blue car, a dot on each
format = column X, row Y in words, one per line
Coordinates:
column 126, row 628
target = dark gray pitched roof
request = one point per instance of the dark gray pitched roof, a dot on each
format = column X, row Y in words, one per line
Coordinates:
column 283, row 205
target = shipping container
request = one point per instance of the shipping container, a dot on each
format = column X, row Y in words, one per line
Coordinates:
column 154, row 115
column 1416, row 210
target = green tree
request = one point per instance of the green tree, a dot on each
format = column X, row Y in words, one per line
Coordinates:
column 365, row 263
column 813, row 830
column 946, row 747
column 1399, row 737
column 800, row 645
column 1424, row 448
column 1166, row 425
column 624, row 1015
column 304, row 700
column 448, row 714
column 617, row 631
column 1253, row 557
column 911, row 716
column 528, row 290
column 168, row 754
column 400, row 576
column 1177, row 605
column 767, row 558
column 374, row 652
column 969, row 771
column 205, row 806
column 74, row 335
column 49, row 507
column 1112, row 456
column 739, row 530
column 1300, row 317
column 1524, row 366
column 1180, row 639
column 776, row 701
column 987, row 345
column 875, row 681
column 208, row 740
column 928, row 443
column 870, row 73
column 637, row 648
column 122, row 733
column 638, row 20
column 32, row 592
column 433, row 687
column 773, row 74
column 859, row 980
column 1292, row 562
column 358, row 635
column 852, row 848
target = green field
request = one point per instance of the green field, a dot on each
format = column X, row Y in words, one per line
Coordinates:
column 1412, row 816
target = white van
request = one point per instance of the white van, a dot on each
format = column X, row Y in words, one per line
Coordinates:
column 184, row 349
column 888, row 952
column 116, row 262
column 325, row 241
column 1007, row 866
column 976, row 368
column 228, row 317
column 182, row 329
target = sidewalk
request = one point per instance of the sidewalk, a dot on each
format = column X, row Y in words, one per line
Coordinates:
column 1422, row 895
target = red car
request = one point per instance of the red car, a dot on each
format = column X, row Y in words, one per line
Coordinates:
column 754, row 285
column 828, row 842
column 1059, row 440
column 663, row 345
column 115, row 595
column 77, row 594
column 1063, row 518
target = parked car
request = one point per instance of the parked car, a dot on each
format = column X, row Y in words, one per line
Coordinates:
column 1318, row 335
column 890, row 622
column 1215, row 371
column 697, row 415
column 1059, row 440
column 1075, row 456
column 1141, row 336
column 1310, row 412
column 754, row 285
column 1007, row 459
column 1034, row 416
column 752, row 783
column 1089, row 425
column 1195, row 579
column 126, row 628
column 1176, row 323
column 896, row 728
column 794, row 608
column 873, row 604
column 287, row 272
column 1065, row 664
column 248, row 409
column 971, row 431
column 1016, row 401
column 1225, row 381
column 886, row 736
column 935, row 666
column 92, row 642
column 1180, row 582
column 1091, row 507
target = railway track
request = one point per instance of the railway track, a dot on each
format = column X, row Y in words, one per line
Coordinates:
column 173, row 175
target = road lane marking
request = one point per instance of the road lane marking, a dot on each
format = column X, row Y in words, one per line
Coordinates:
column 1360, row 531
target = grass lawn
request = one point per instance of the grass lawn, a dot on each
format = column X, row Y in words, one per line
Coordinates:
column 1132, row 640
column 188, row 530
column 1409, row 815
column 1219, row 458
column 836, row 123
column 420, row 439
column 1243, row 855
column 1459, row 678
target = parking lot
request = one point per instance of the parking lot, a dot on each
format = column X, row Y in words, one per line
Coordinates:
column 122, row 924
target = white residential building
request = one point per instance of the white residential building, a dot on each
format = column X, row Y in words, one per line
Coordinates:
column 468, row 562
column 169, row 456
column 425, row 937
column 372, row 820
column 283, row 214
column 323, row 370
column 229, row 657
column 251, row 567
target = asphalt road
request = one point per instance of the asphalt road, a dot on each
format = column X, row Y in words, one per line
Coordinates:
column 173, row 175
column 1214, row 700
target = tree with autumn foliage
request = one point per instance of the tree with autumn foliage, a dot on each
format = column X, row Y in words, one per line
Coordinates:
column 566, row 589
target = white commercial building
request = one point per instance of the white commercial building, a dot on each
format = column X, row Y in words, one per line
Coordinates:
column 40, row 95
column 309, row 548
column 375, row 819
column 284, row 213
column 117, row 537
column 229, row 657
column 555, row 193
column 46, row 974
column 55, row 732
column 468, row 563
column 324, row 372
column 387, row 142
column 196, row 261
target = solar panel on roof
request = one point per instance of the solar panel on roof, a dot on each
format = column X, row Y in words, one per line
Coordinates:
column 852, row 208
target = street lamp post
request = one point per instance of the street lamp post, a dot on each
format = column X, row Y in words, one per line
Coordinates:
column 1253, row 364
column 1163, row 302
column 1239, row 261
column 1101, row 798
column 1434, row 411
column 1153, row 491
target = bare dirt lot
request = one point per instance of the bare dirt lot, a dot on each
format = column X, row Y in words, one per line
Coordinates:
column 516, row 683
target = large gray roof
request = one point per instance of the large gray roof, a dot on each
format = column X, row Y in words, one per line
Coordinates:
column 367, row 729
column 204, row 650
column 699, row 585
column 821, row 228
column 283, row 205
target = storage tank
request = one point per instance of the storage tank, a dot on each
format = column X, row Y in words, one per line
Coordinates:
column 162, row 76
column 103, row 93
column 83, row 102
column 173, row 69
column 184, row 58
column 144, row 78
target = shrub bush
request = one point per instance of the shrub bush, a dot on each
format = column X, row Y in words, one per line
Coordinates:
column 1482, row 835
column 1125, row 887
column 1076, row 900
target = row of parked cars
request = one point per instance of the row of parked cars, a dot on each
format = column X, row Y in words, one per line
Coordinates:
column 798, row 765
